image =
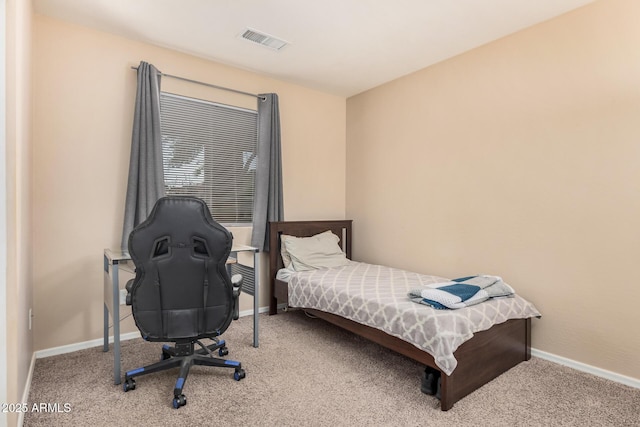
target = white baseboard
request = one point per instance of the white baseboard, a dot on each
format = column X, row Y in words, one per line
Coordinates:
column 100, row 341
column 250, row 312
column 48, row 352
column 27, row 389
column 583, row 367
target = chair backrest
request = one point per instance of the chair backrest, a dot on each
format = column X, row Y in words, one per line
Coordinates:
column 181, row 289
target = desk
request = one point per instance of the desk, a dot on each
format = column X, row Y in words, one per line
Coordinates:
column 112, row 261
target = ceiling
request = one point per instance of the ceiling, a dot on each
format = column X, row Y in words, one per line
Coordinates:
column 342, row 47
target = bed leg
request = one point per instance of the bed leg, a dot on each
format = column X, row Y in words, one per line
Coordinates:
column 446, row 401
column 527, row 354
column 435, row 383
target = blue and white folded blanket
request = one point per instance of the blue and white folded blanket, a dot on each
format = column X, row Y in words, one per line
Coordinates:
column 462, row 292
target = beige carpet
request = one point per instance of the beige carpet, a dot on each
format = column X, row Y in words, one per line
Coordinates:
column 309, row 373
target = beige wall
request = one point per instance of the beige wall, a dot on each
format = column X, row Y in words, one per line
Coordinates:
column 19, row 296
column 84, row 91
column 520, row 158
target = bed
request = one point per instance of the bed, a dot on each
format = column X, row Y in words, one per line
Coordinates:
column 481, row 357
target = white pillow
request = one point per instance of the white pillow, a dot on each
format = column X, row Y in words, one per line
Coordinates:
column 286, row 259
column 319, row 251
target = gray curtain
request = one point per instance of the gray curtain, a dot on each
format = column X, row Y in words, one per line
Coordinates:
column 146, row 176
column 267, row 202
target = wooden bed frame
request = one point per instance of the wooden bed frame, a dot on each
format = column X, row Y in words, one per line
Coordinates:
column 484, row 357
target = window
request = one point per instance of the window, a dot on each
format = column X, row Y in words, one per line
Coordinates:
column 209, row 151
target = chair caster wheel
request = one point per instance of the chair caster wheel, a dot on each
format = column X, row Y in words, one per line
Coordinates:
column 179, row 401
column 223, row 351
column 129, row 384
column 239, row 374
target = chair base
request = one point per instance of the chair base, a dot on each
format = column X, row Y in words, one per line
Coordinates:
column 184, row 355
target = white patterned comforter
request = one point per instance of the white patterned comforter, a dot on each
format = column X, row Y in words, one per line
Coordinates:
column 376, row 296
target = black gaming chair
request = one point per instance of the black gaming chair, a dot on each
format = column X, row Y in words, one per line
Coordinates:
column 181, row 292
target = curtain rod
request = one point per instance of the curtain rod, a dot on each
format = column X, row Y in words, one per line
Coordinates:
column 262, row 98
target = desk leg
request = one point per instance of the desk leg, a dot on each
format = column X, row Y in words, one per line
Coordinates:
column 105, row 346
column 116, row 323
column 256, row 296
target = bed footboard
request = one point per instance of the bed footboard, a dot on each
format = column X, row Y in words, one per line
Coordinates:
column 484, row 357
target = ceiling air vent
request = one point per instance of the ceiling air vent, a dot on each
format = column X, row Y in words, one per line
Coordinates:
column 263, row 39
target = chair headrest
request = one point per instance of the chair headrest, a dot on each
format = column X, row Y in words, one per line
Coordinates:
column 179, row 223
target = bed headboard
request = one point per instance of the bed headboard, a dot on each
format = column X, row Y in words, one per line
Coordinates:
column 341, row 228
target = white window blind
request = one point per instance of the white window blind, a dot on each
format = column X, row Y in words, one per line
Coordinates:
column 209, row 151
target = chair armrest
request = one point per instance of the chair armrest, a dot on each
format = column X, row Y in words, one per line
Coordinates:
column 128, row 287
column 236, row 282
